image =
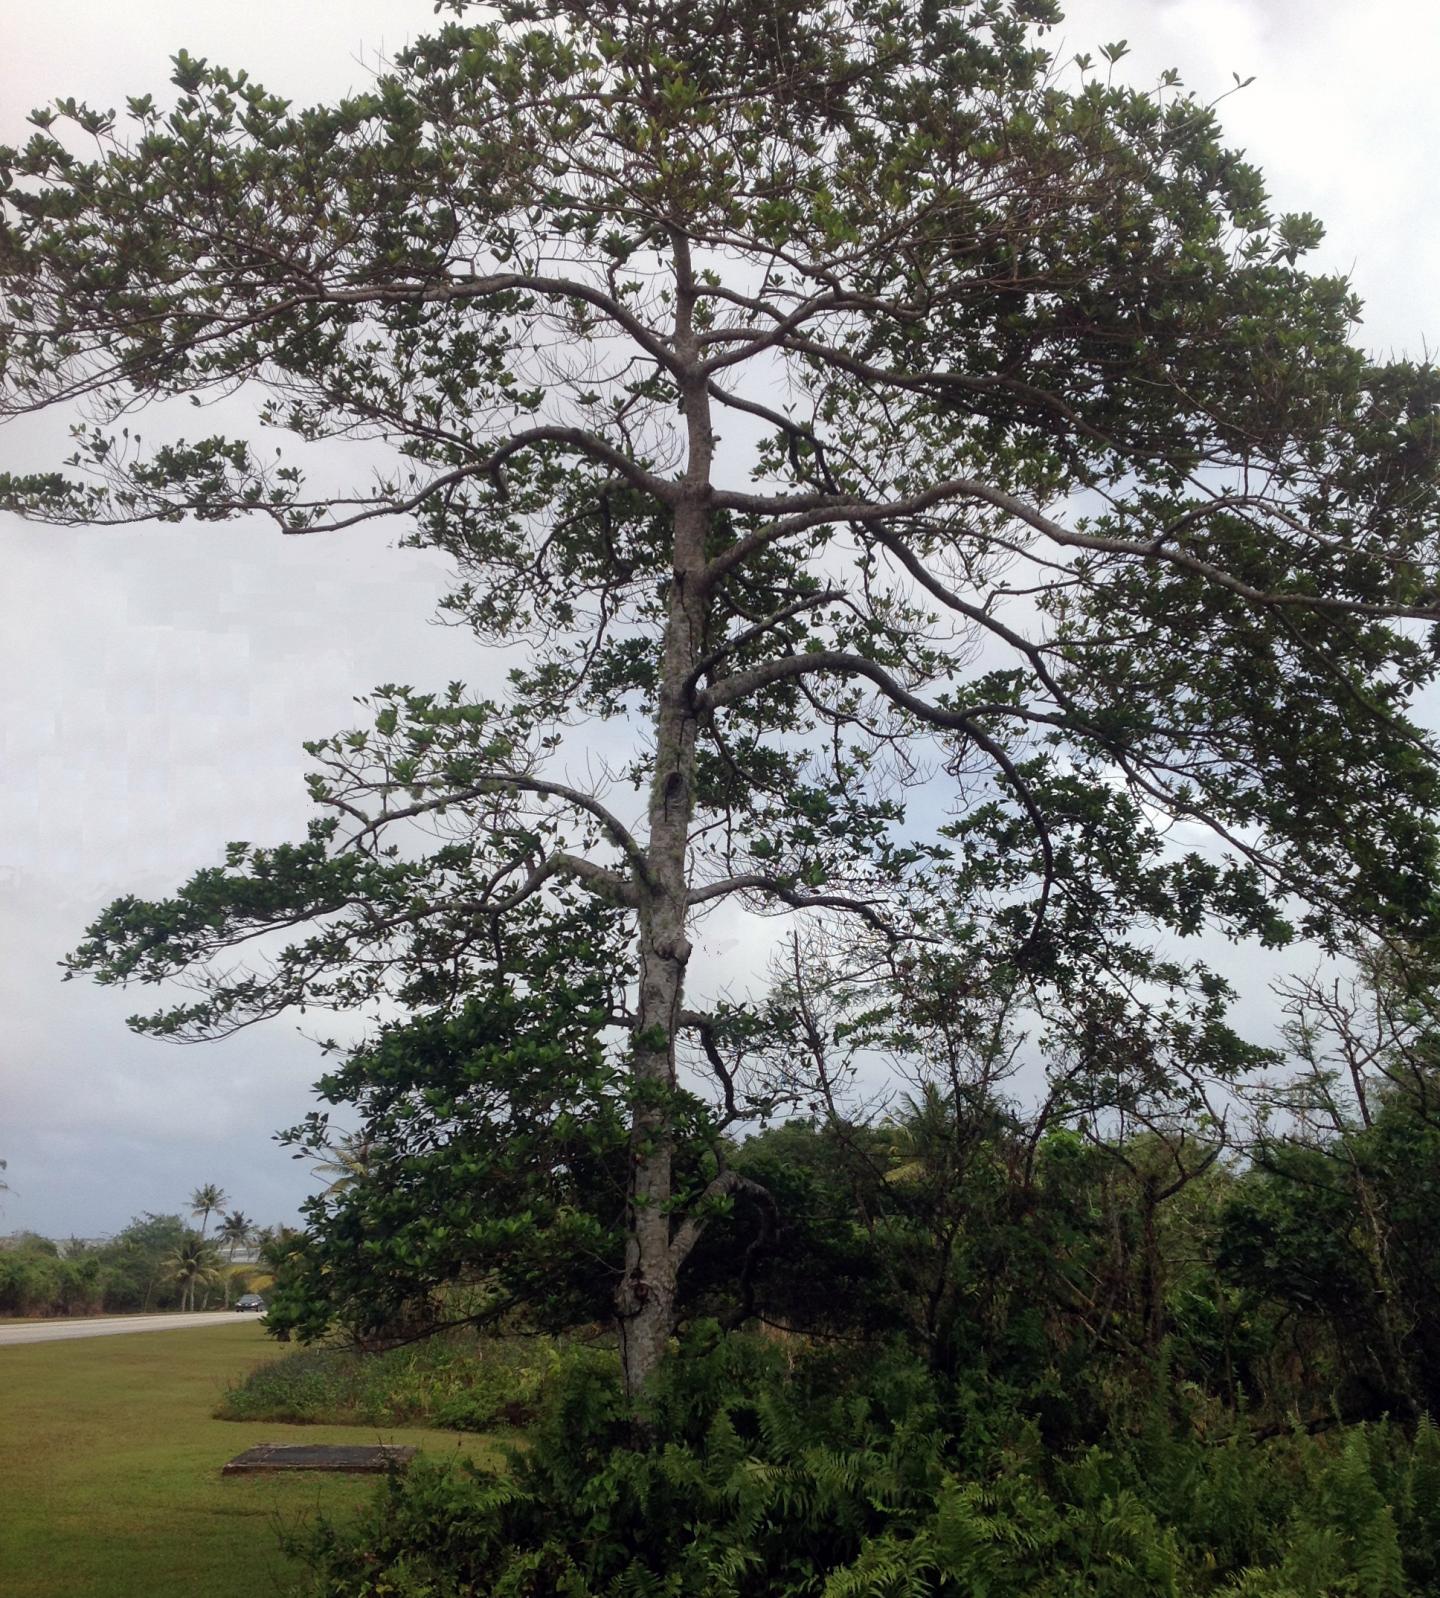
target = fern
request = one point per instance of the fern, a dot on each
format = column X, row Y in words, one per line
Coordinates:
column 822, row 1483
column 1314, row 1563
column 1420, row 1507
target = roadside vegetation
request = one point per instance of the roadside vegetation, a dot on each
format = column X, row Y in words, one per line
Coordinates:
column 156, row 1263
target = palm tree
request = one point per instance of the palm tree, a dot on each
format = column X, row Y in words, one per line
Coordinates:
column 235, row 1230
column 194, row 1263
column 350, row 1159
column 205, row 1200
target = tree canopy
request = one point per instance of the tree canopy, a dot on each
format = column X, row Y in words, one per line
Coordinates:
column 943, row 468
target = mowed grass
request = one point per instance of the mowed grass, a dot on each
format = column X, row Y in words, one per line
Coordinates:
column 110, row 1463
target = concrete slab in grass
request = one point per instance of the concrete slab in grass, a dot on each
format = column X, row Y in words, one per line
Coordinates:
column 350, row 1459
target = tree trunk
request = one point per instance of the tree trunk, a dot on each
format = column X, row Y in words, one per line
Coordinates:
column 1152, row 1269
column 645, row 1299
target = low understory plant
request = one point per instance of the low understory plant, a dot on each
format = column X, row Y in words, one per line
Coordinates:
column 757, row 1473
column 457, row 1380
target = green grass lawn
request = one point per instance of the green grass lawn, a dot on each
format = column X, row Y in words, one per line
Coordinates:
column 110, row 1463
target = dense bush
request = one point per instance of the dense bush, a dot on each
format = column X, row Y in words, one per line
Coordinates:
column 460, row 1381
column 760, row 1475
column 35, row 1280
column 1335, row 1241
column 519, row 1195
column 139, row 1275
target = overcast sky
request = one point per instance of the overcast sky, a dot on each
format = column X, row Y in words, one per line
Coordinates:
column 155, row 685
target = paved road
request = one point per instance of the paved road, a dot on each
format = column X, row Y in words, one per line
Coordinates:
column 112, row 1326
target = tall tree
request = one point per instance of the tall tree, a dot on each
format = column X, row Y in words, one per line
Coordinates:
column 204, row 1201
column 235, row 1231
column 135, row 1261
column 1046, row 468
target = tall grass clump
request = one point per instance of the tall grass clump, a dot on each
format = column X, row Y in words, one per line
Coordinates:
column 456, row 1380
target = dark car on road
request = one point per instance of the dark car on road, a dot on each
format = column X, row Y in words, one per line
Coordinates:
column 249, row 1301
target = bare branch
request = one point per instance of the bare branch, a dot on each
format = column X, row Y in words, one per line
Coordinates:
column 757, row 882
column 607, row 883
column 792, row 666
column 499, row 782
column 828, row 596
column 690, row 1230
column 799, row 513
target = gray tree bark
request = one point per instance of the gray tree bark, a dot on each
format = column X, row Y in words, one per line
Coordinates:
column 645, row 1300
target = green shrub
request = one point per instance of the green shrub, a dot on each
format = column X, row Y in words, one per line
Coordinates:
column 458, row 1380
column 29, row 1283
column 36, row 1280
